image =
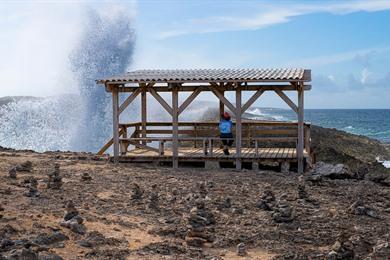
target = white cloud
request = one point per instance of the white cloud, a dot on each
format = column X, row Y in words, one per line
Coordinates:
column 337, row 57
column 271, row 14
column 366, row 74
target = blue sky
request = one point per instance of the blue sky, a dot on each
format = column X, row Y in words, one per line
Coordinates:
column 345, row 43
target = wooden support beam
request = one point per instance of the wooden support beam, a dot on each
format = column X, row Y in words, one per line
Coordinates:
column 221, row 104
column 238, row 127
column 175, row 126
column 128, row 100
column 115, row 123
column 142, row 146
column 227, row 87
column 300, row 145
column 188, row 101
column 108, row 144
column 251, row 100
column 163, row 103
column 287, row 100
column 143, row 113
column 223, row 99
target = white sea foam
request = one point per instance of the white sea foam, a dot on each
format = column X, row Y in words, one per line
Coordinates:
column 386, row 164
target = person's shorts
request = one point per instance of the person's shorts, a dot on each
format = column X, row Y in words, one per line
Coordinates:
column 227, row 142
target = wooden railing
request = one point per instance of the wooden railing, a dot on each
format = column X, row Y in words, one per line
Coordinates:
column 206, row 135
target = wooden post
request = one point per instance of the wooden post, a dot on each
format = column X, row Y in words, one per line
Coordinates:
column 175, row 126
column 221, row 105
column 115, row 123
column 143, row 113
column 238, row 126
column 300, row 128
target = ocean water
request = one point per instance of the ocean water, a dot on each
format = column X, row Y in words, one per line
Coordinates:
column 374, row 123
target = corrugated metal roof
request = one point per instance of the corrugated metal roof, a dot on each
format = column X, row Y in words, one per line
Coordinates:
column 210, row 75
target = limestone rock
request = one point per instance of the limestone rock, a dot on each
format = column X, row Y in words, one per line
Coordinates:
column 331, row 171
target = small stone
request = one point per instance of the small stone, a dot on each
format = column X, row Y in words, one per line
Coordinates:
column 24, row 253
column 86, row 177
column 5, row 243
column 49, row 256
column 241, row 249
column 84, row 243
column 24, row 167
column 195, row 241
column 238, row 211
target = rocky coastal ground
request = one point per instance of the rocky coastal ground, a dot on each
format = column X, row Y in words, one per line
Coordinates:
column 63, row 205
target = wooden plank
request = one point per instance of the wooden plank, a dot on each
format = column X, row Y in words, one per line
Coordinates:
column 301, row 140
column 251, row 100
column 223, row 99
column 287, row 100
column 115, row 123
column 238, row 126
column 215, row 124
column 175, row 126
column 160, row 100
column 188, row 101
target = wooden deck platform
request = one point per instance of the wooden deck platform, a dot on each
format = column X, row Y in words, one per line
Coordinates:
column 197, row 154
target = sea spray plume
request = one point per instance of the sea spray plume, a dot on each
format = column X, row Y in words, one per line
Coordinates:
column 105, row 49
column 39, row 124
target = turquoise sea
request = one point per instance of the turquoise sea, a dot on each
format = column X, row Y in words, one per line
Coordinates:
column 374, row 123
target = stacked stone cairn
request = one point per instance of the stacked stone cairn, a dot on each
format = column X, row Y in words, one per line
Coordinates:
column 267, row 200
column 241, row 249
column 73, row 220
column 199, row 221
column 302, row 193
column 32, row 188
column 55, row 180
column 153, row 199
column 283, row 211
column 136, row 192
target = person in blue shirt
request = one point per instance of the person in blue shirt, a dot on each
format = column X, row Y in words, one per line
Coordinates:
column 225, row 129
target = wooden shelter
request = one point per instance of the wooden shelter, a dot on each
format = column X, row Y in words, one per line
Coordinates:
column 199, row 141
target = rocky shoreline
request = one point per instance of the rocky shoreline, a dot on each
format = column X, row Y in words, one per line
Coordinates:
column 64, row 205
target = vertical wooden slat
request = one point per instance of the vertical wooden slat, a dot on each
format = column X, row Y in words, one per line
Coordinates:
column 238, row 127
column 175, row 126
column 115, row 123
column 300, row 128
column 143, row 113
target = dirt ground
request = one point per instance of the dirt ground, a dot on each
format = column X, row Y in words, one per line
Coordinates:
column 150, row 212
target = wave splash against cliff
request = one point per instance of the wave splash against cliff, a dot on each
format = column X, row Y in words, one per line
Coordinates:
column 79, row 122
